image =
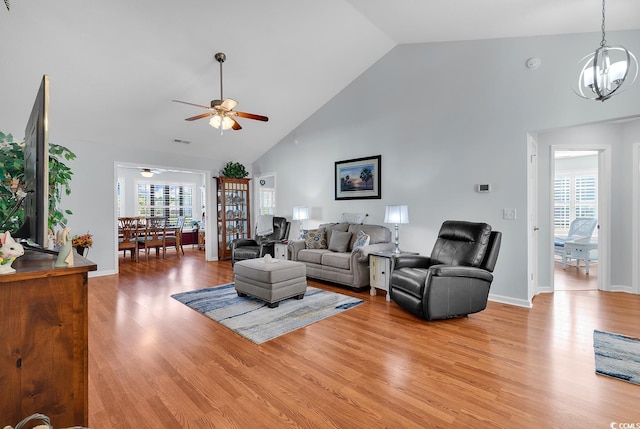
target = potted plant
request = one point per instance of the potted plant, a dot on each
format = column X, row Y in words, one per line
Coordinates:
column 12, row 179
column 82, row 242
column 234, row 170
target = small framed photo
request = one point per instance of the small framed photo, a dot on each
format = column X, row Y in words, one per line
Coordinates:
column 358, row 178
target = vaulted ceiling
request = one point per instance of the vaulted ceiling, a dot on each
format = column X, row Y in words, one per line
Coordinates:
column 115, row 66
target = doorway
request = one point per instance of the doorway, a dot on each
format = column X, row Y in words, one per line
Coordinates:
column 575, row 219
column 147, row 190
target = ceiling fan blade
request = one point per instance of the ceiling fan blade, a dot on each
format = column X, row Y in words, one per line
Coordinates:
column 204, row 115
column 229, row 104
column 236, row 126
column 251, row 116
column 193, row 104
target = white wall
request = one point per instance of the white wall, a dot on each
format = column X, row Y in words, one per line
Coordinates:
column 445, row 117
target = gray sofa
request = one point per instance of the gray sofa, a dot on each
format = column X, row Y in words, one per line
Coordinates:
column 329, row 262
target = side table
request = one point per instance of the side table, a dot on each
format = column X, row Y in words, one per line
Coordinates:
column 380, row 271
column 281, row 250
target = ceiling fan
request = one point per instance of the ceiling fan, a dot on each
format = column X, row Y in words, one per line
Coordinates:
column 221, row 111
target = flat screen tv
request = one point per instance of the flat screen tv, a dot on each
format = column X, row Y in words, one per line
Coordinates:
column 36, row 171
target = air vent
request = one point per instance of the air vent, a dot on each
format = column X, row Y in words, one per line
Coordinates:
column 181, row 141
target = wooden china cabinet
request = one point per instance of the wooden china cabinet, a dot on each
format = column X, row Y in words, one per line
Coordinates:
column 234, row 213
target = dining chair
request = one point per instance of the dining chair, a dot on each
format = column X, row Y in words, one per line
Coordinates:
column 173, row 236
column 154, row 235
column 128, row 228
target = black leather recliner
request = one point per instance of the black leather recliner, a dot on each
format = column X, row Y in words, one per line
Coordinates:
column 244, row 248
column 455, row 280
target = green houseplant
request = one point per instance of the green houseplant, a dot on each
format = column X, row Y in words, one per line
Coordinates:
column 12, row 179
column 234, row 170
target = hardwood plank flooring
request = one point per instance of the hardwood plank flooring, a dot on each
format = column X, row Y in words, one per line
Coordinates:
column 573, row 278
column 155, row 363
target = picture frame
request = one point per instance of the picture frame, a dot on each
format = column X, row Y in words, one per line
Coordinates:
column 358, row 178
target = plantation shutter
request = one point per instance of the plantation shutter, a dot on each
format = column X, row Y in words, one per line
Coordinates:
column 575, row 194
column 168, row 201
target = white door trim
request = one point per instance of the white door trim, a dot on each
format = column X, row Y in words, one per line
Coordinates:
column 635, row 228
column 604, row 209
column 532, row 221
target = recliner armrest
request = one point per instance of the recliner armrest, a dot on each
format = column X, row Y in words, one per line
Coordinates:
column 411, row 261
column 243, row 242
column 460, row 271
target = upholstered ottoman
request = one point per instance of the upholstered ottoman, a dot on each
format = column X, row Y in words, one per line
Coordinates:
column 270, row 280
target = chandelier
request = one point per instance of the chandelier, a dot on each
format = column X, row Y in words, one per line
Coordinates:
column 603, row 73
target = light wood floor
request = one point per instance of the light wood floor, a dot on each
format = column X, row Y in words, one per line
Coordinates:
column 155, row 363
column 572, row 278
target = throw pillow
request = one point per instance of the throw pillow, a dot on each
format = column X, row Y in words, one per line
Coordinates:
column 339, row 241
column 354, row 218
column 315, row 239
column 362, row 239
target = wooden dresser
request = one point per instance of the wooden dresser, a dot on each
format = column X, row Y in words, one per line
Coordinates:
column 43, row 340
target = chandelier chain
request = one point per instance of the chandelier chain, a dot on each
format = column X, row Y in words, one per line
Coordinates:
column 604, row 41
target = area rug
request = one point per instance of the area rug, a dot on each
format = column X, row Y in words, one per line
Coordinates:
column 254, row 320
column 617, row 356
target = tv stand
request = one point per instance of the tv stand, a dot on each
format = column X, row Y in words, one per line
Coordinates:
column 44, row 329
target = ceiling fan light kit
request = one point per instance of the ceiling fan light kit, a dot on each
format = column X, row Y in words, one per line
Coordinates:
column 223, row 122
column 146, row 172
column 608, row 71
column 221, row 111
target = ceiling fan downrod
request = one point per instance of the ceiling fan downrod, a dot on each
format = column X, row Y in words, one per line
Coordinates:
column 220, row 57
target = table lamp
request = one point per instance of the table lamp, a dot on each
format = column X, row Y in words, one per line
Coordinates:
column 396, row 215
column 301, row 213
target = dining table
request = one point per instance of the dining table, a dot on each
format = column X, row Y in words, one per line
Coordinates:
column 152, row 232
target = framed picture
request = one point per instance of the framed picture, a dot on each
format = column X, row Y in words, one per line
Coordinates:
column 358, row 178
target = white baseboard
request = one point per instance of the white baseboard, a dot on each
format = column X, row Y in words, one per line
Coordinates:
column 621, row 288
column 101, row 273
column 544, row 289
column 509, row 300
column 612, row 288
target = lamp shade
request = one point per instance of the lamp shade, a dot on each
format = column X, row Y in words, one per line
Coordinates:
column 300, row 213
column 396, row 214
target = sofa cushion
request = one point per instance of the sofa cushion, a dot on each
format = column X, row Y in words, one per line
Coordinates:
column 313, row 256
column 315, row 239
column 336, row 260
column 339, row 241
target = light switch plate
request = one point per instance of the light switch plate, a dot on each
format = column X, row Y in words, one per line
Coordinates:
column 509, row 214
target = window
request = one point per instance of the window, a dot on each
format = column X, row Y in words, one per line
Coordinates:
column 165, row 200
column 575, row 194
column 267, row 201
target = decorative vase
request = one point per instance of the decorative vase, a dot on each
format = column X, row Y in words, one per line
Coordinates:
column 80, row 250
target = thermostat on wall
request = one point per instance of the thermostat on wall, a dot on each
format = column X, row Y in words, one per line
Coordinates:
column 483, row 188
